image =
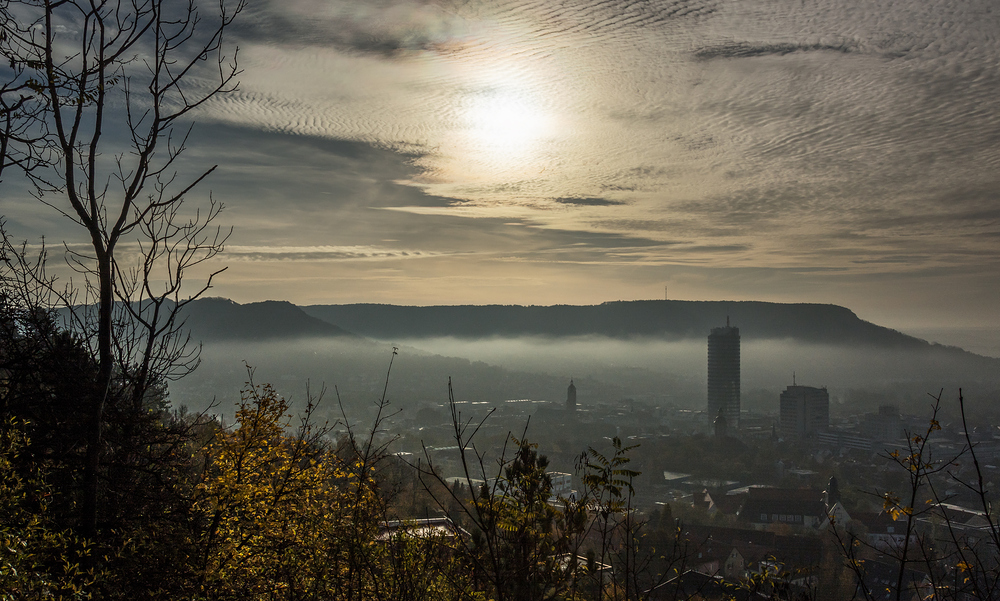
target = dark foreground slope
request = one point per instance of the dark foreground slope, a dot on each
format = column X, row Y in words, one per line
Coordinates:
column 824, row 324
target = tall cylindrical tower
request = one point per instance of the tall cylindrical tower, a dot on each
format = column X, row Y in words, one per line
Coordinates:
column 724, row 373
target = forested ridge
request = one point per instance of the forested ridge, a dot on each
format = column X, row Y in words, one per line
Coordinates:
column 671, row 319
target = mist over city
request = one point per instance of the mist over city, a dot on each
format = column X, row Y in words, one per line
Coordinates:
column 658, row 372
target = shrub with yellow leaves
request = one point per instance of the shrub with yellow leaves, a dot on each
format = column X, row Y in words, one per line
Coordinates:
column 272, row 498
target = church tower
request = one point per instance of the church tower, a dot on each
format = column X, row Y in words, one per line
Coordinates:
column 571, row 397
column 832, row 492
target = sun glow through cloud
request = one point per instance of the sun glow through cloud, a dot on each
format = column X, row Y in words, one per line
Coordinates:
column 505, row 122
column 501, row 131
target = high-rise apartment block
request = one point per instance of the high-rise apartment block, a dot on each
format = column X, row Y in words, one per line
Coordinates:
column 804, row 411
column 724, row 374
column 886, row 425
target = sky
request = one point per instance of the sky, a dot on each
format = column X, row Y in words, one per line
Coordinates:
column 582, row 151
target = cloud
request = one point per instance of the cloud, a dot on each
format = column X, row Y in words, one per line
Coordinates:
column 904, row 259
column 318, row 253
column 385, row 29
column 589, row 202
column 749, row 49
column 860, row 140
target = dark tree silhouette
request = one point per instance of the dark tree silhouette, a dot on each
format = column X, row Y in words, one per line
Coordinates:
column 72, row 61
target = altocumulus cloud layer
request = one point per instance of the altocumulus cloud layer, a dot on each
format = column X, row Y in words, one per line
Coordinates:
column 578, row 151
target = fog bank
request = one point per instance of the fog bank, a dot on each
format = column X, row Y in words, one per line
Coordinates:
column 605, row 370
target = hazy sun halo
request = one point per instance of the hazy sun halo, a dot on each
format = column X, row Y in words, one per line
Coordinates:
column 506, row 124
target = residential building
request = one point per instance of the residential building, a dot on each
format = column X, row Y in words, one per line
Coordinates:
column 442, row 527
column 879, row 581
column 886, row 425
column 792, row 506
column 562, row 485
column 845, row 441
column 804, row 412
column 884, row 533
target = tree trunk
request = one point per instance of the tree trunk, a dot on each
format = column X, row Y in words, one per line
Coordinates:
column 91, row 476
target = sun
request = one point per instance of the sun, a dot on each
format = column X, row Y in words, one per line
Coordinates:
column 506, row 123
column 498, row 132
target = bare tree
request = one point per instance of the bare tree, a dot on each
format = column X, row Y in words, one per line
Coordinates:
column 938, row 555
column 24, row 144
column 99, row 72
column 975, row 551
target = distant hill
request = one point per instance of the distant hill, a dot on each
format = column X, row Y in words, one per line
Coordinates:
column 828, row 324
column 223, row 319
